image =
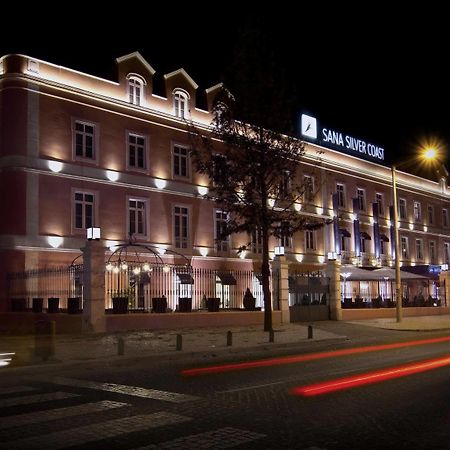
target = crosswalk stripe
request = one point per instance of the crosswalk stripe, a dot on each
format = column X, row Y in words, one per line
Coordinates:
column 226, row 437
column 134, row 391
column 97, row 432
column 16, row 389
column 35, row 399
column 58, row 413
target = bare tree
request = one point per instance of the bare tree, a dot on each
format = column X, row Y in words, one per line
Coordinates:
column 254, row 175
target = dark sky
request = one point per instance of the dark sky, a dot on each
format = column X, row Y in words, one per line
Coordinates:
column 376, row 74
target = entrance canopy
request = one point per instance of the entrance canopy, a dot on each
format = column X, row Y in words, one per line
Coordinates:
column 352, row 273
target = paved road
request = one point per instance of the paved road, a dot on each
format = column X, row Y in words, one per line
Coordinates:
column 145, row 403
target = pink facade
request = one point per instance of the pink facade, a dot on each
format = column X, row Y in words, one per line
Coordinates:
column 122, row 155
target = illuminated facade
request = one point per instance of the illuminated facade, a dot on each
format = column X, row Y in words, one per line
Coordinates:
column 78, row 151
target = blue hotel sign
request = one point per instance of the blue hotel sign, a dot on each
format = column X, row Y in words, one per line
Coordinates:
column 339, row 141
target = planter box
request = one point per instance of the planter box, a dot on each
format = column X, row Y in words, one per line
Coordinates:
column 73, row 305
column 18, row 304
column 213, row 303
column 120, row 305
column 53, row 305
column 159, row 304
column 185, row 304
column 37, row 305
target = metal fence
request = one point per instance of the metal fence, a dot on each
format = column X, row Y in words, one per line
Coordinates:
column 139, row 284
column 308, row 288
column 59, row 282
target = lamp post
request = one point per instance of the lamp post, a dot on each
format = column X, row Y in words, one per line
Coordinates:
column 398, row 281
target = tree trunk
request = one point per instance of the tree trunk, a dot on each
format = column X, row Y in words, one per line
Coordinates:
column 265, row 272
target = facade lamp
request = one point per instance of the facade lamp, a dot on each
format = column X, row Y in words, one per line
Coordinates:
column 279, row 250
column 93, row 233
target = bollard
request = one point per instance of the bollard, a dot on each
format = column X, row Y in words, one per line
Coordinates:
column 271, row 336
column 229, row 339
column 310, row 332
column 179, row 342
column 44, row 339
column 121, row 346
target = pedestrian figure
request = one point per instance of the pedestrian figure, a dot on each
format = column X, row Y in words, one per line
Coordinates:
column 249, row 300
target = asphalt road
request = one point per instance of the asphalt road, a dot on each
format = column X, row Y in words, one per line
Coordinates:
column 147, row 403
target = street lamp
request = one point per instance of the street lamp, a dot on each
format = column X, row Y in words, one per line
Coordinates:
column 398, row 281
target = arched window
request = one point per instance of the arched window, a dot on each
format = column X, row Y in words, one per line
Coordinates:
column 180, row 104
column 135, row 90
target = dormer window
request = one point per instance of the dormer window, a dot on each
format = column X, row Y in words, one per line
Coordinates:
column 135, row 89
column 180, row 104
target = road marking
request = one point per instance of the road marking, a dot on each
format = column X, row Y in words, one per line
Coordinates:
column 59, row 413
column 16, row 389
column 35, row 399
column 250, row 387
column 97, row 432
column 222, row 438
column 134, row 391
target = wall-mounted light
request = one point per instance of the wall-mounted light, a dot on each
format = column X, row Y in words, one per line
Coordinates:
column 112, row 175
column 411, row 226
column 332, row 256
column 55, row 166
column 444, row 266
column 93, row 233
column 271, row 202
column 202, row 190
column 425, row 228
column 297, row 206
column 160, row 184
column 299, row 258
column 243, row 254
column 319, row 210
column 321, row 259
column 203, row 251
column 54, row 241
column 279, row 250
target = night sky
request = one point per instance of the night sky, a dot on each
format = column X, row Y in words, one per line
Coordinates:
column 375, row 74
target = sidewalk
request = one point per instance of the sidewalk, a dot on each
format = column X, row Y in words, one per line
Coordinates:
column 83, row 348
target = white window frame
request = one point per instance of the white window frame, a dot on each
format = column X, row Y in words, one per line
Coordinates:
column 181, row 104
column 84, row 135
column 145, row 202
column 432, row 249
column 430, row 214
column 379, row 198
column 308, row 183
column 444, row 217
column 129, row 135
column 181, row 242
column 222, row 246
column 417, row 211
column 257, row 241
column 402, row 209
column 310, row 240
column 286, row 241
column 135, row 92
column 419, row 249
column 361, row 196
column 341, row 195
column 82, row 230
column 404, row 247
column 178, row 157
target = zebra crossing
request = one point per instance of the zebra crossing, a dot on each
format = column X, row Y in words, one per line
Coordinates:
column 21, row 430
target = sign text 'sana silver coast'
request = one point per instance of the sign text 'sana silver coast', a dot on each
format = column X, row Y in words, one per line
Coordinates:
column 339, row 141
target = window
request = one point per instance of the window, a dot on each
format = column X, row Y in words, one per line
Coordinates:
column 446, row 252
column 382, row 248
column 432, row 252
column 308, row 182
column 417, row 212
column 220, row 227
column 135, row 90
column 137, row 223
column 180, row 161
column 379, row 200
column 257, row 241
column 344, row 243
column 285, row 185
column 220, row 168
column 361, row 195
column 286, row 238
column 419, row 249
column 83, row 210
column 445, row 218
column 180, row 104
column 340, row 189
column 137, row 151
column 309, row 240
column 84, row 137
column 402, row 208
column 430, row 214
column 181, row 226
column 404, row 247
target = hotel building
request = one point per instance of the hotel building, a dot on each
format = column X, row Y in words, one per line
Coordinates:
column 78, row 151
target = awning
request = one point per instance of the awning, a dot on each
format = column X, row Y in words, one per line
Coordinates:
column 185, row 278
column 384, row 238
column 227, row 279
column 365, row 235
column 344, row 232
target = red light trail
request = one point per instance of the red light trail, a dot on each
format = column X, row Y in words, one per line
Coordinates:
column 306, row 357
column 370, row 377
